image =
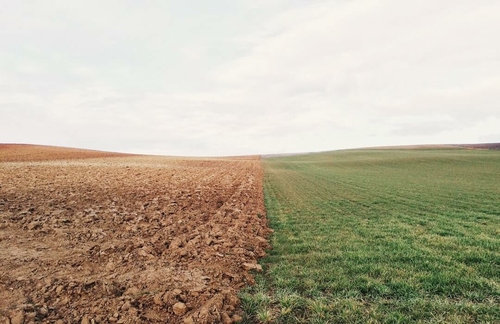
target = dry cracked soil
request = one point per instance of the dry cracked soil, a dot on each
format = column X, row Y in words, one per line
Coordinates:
column 95, row 237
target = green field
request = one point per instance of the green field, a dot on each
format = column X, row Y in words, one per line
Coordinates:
column 382, row 236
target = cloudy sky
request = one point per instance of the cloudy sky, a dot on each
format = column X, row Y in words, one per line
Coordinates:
column 249, row 76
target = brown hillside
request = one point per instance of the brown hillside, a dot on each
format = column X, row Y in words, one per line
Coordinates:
column 26, row 152
column 484, row 146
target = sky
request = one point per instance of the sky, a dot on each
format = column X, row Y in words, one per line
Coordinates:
column 238, row 77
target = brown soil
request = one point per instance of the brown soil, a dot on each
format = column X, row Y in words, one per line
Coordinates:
column 128, row 239
column 25, row 152
column 484, row 146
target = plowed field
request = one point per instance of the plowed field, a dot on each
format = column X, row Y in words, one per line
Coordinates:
column 127, row 239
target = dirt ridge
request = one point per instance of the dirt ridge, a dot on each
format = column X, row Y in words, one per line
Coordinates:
column 29, row 152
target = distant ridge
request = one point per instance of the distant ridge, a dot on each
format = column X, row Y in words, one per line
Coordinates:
column 268, row 156
column 28, row 152
column 484, row 146
column 31, row 152
column 479, row 146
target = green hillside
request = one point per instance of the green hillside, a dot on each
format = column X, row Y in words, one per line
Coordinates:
column 389, row 236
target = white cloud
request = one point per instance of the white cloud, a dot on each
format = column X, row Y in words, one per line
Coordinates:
column 257, row 78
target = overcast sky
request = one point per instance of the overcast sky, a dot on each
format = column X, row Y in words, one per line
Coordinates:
column 251, row 76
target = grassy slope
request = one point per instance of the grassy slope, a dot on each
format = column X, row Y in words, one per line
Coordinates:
column 381, row 236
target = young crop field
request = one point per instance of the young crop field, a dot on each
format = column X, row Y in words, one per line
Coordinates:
column 381, row 236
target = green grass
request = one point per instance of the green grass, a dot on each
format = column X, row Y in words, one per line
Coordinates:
column 381, row 236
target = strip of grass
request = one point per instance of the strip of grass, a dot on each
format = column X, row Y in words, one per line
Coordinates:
column 381, row 236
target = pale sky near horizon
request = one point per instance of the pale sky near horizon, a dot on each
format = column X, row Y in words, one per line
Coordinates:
column 208, row 78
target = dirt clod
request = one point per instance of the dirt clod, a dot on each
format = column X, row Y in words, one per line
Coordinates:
column 85, row 320
column 17, row 318
column 252, row 266
column 179, row 308
column 226, row 319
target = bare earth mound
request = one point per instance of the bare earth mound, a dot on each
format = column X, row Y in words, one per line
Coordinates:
column 25, row 152
column 128, row 239
column 484, row 146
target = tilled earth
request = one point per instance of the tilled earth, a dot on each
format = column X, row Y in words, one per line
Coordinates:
column 128, row 239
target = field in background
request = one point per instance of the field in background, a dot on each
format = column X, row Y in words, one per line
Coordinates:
column 390, row 236
column 27, row 152
column 97, row 237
